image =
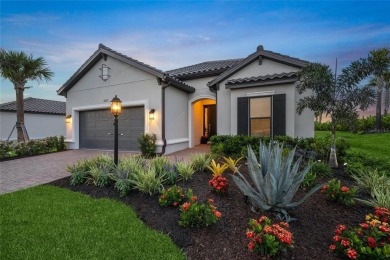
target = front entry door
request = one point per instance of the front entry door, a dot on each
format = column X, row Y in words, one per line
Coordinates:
column 209, row 120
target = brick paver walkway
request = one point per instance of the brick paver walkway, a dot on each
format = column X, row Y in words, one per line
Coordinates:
column 33, row 171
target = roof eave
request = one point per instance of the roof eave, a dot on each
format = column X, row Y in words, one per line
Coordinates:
column 262, row 83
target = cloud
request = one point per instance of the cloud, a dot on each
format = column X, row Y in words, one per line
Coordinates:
column 29, row 20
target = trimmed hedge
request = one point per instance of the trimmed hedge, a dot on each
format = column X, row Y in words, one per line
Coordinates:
column 32, row 147
column 362, row 124
column 236, row 146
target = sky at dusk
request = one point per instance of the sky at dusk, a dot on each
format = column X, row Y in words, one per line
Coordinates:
column 173, row 34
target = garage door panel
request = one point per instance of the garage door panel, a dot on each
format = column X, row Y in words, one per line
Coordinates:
column 95, row 126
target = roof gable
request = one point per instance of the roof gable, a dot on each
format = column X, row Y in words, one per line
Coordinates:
column 259, row 54
column 37, row 105
column 105, row 51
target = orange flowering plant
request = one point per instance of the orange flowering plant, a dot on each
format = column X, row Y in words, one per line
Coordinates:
column 268, row 239
column 172, row 196
column 219, row 184
column 335, row 192
column 195, row 214
column 371, row 240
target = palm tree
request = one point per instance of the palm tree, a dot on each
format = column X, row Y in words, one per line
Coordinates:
column 333, row 95
column 18, row 67
column 377, row 64
column 387, row 93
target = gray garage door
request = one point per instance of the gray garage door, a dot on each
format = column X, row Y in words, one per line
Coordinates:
column 95, row 126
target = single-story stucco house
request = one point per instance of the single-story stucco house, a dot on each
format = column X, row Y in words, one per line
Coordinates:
column 255, row 95
column 42, row 118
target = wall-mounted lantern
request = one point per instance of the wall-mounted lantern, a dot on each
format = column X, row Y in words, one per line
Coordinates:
column 105, row 72
column 68, row 119
column 151, row 114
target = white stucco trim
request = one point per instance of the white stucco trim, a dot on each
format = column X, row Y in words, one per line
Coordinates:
column 262, row 93
column 76, row 111
column 190, row 102
column 173, row 141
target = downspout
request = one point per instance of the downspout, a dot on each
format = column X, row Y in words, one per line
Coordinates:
column 163, row 118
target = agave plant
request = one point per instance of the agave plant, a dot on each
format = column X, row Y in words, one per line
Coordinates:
column 275, row 179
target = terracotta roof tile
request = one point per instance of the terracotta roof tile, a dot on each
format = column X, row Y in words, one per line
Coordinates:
column 37, row 105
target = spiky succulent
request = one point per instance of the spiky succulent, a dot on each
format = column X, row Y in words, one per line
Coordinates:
column 275, row 179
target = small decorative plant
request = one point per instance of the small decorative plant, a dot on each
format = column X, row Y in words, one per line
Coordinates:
column 335, row 192
column 219, row 184
column 147, row 144
column 172, row 196
column 200, row 161
column 371, row 240
column 268, row 239
column 232, row 164
column 216, row 168
column 195, row 214
column 184, row 170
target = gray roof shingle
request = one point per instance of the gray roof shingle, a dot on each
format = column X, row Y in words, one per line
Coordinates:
column 204, row 68
column 292, row 75
column 37, row 105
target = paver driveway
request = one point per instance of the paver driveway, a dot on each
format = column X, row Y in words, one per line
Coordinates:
column 32, row 171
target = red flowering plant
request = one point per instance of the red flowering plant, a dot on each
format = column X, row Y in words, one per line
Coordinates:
column 195, row 214
column 335, row 192
column 371, row 240
column 219, row 184
column 268, row 239
column 172, row 197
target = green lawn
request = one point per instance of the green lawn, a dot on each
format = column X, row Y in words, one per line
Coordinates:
column 377, row 145
column 48, row 222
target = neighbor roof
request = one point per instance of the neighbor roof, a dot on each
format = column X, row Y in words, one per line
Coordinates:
column 259, row 54
column 37, row 105
column 208, row 68
column 104, row 50
column 262, row 80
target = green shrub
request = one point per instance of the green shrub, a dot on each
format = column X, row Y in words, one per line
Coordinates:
column 194, row 214
column 276, row 179
column 147, row 144
column 147, row 181
column 371, row 179
column 160, row 165
column 200, row 161
column 79, row 172
column 322, row 169
column 99, row 175
column 185, row 170
column 172, row 197
column 335, row 192
column 309, row 180
column 357, row 162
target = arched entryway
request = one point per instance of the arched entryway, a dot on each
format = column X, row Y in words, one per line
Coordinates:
column 202, row 120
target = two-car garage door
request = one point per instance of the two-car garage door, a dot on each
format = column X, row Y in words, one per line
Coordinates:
column 96, row 125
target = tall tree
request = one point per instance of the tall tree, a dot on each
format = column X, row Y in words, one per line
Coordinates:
column 377, row 64
column 387, row 93
column 19, row 67
column 332, row 95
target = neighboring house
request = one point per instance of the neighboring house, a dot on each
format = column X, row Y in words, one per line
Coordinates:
column 43, row 118
column 255, row 95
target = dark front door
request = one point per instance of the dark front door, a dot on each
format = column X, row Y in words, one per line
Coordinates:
column 209, row 120
column 96, row 128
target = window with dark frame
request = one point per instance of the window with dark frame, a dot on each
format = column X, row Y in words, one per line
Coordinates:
column 260, row 116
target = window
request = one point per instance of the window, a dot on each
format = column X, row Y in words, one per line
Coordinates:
column 260, row 116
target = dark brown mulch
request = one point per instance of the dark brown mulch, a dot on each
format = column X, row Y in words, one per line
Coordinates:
column 312, row 231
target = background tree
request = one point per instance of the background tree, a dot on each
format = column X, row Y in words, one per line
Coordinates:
column 332, row 95
column 387, row 93
column 18, row 67
column 378, row 65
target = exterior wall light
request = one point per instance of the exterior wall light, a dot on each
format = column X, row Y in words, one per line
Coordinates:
column 116, row 109
column 105, row 72
column 68, row 119
column 151, row 114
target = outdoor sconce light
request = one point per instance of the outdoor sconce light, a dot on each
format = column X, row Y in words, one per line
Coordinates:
column 68, row 119
column 151, row 114
column 116, row 109
column 105, row 72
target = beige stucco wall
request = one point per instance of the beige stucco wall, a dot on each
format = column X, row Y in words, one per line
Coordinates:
column 37, row 125
column 133, row 86
column 296, row 125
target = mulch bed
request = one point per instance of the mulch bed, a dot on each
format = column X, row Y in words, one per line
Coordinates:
column 313, row 230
